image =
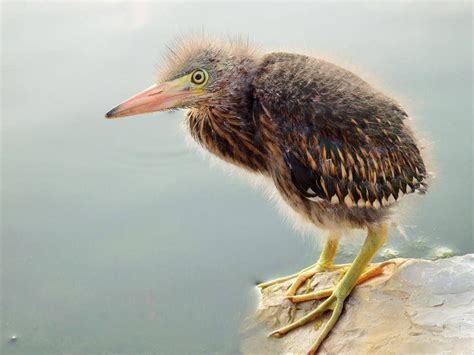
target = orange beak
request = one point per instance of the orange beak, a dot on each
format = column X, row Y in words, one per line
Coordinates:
column 155, row 98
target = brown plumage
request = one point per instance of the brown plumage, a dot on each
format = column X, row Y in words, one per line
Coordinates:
column 338, row 150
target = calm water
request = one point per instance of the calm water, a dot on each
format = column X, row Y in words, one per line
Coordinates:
column 118, row 239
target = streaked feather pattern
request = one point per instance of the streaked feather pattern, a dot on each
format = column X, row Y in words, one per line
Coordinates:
column 338, row 150
column 347, row 145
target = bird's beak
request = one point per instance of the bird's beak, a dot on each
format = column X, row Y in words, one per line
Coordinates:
column 156, row 98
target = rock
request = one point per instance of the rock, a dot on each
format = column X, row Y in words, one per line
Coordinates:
column 415, row 306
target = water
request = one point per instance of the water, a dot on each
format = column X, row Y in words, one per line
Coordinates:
column 118, row 239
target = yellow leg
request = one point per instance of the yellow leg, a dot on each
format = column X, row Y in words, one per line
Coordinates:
column 324, row 263
column 377, row 234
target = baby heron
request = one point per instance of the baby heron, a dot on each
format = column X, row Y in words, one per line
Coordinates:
column 338, row 151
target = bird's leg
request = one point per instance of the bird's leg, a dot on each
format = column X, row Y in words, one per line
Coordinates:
column 377, row 234
column 324, row 263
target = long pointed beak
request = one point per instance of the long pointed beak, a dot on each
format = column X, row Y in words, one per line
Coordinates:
column 155, row 98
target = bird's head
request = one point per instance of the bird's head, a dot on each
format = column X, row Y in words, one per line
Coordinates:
column 196, row 73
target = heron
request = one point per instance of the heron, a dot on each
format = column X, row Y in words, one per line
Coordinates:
column 339, row 151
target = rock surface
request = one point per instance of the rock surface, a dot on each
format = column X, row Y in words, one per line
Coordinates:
column 415, row 307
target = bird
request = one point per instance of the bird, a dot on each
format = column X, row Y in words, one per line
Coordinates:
column 340, row 152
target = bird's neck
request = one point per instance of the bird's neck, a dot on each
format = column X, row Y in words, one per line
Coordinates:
column 229, row 136
column 225, row 124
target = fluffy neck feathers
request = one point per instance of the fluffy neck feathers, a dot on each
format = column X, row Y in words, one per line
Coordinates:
column 233, row 138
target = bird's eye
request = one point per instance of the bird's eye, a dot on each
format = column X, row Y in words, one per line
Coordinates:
column 199, row 77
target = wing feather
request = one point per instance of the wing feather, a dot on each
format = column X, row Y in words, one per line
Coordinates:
column 343, row 141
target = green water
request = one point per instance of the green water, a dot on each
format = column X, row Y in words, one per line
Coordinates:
column 118, row 239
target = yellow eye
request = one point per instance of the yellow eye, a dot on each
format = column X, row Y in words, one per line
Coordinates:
column 199, row 77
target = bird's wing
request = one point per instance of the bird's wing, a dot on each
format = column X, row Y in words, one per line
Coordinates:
column 363, row 157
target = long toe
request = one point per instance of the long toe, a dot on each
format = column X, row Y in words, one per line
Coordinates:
column 370, row 273
column 284, row 278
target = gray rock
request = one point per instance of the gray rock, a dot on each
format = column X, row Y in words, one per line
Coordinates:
column 415, row 307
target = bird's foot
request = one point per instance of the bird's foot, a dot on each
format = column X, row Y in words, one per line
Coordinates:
column 320, row 294
column 302, row 276
column 358, row 272
column 335, row 302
